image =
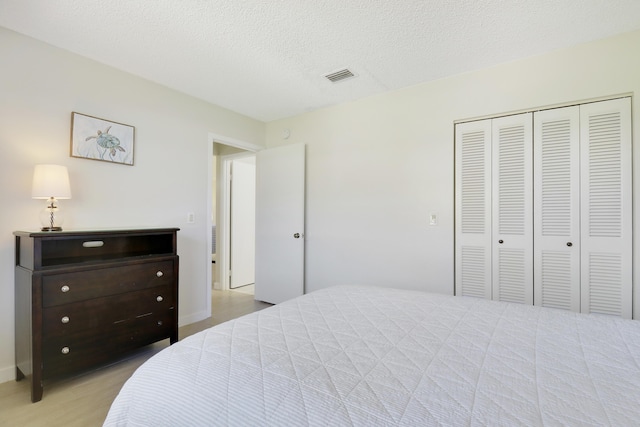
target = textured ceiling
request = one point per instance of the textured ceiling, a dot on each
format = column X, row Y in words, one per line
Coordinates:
column 267, row 58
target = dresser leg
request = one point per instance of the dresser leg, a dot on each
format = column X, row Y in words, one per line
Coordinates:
column 36, row 388
column 36, row 385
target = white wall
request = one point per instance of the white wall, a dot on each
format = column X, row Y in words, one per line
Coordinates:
column 39, row 88
column 376, row 168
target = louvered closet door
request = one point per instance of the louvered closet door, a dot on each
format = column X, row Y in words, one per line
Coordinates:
column 473, row 209
column 556, row 162
column 606, row 264
column 512, row 209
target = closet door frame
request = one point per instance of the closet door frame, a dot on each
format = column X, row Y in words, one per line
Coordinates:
column 601, row 264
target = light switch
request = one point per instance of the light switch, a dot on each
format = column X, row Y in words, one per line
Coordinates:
column 190, row 217
column 433, row 219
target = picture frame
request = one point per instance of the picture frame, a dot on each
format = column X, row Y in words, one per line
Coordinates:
column 94, row 138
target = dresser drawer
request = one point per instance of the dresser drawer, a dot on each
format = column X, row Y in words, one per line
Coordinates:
column 88, row 348
column 65, row 288
column 100, row 314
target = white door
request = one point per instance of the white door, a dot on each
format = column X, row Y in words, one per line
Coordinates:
column 512, row 209
column 243, row 220
column 605, row 150
column 557, row 208
column 473, row 209
column 280, row 199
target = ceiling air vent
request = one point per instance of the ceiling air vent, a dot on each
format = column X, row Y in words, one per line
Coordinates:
column 340, row 75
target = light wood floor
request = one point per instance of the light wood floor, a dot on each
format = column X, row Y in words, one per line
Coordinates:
column 84, row 400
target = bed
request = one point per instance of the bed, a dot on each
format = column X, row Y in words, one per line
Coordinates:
column 368, row 356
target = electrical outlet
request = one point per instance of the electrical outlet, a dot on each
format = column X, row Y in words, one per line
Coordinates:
column 191, row 218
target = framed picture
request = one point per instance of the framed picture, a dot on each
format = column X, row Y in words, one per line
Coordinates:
column 99, row 139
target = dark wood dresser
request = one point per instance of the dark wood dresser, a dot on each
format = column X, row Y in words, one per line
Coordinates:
column 85, row 298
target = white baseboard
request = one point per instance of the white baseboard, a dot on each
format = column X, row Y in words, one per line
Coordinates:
column 8, row 374
column 193, row 318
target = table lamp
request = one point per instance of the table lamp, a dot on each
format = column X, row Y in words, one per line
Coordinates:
column 51, row 182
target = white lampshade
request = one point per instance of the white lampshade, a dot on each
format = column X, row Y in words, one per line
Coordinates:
column 50, row 181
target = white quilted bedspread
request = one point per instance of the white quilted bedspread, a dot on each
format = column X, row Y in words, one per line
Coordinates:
column 376, row 356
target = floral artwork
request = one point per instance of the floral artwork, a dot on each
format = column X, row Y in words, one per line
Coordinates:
column 99, row 139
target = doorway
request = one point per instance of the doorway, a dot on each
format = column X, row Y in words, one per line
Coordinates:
column 228, row 251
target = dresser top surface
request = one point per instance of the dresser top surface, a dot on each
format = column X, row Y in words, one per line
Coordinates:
column 85, row 232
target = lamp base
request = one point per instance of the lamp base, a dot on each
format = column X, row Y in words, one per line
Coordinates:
column 51, row 217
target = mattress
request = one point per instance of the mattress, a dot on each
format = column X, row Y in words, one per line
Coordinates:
column 367, row 356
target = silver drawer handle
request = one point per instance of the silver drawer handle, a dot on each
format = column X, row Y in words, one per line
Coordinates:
column 159, row 298
column 65, row 319
column 65, row 350
column 65, row 288
column 93, row 244
column 159, row 273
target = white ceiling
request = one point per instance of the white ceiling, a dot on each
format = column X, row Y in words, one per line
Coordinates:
column 267, row 58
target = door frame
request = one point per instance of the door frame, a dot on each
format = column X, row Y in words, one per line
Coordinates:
column 214, row 139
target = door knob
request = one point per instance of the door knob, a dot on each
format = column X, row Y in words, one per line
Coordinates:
column 297, row 235
column 500, row 241
column 569, row 244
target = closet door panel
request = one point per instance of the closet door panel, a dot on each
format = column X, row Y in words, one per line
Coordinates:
column 473, row 209
column 512, row 275
column 556, row 162
column 606, row 207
